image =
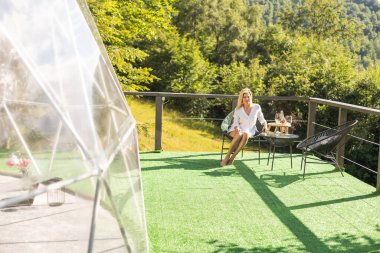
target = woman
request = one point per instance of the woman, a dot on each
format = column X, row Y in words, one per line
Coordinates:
column 244, row 126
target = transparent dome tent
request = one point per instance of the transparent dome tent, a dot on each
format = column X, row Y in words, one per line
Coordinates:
column 70, row 176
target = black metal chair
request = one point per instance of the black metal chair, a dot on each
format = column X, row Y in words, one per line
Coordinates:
column 253, row 140
column 324, row 144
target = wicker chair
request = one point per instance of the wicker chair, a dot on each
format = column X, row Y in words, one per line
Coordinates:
column 324, row 144
column 254, row 143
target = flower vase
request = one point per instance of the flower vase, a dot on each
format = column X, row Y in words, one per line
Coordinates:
column 28, row 185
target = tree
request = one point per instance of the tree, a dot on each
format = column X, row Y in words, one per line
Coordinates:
column 122, row 24
column 179, row 64
column 366, row 92
column 324, row 19
column 234, row 77
column 222, row 28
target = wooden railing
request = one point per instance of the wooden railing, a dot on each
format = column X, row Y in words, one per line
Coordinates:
column 313, row 102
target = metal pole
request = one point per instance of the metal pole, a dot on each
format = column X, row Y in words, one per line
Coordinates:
column 342, row 118
column 311, row 118
column 158, row 131
column 93, row 218
column 378, row 173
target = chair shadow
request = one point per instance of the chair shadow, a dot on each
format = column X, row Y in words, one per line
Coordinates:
column 279, row 181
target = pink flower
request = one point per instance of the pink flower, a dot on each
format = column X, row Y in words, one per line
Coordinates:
column 13, row 161
column 20, row 163
column 23, row 163
column 10, row 163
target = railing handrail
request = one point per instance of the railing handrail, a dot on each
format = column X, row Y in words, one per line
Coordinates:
column 347, row 106
column 193, row 95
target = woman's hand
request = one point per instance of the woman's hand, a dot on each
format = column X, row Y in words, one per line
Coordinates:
column 237, row 130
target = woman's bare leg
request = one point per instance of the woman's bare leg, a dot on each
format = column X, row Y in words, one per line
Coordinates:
column 242, row 143
column 233, row 145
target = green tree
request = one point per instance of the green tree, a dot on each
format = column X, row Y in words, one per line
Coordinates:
column 234, row 77
column 180, row 66
column 222, row 28
column 324, row 19
column 122, row 24
column 366, row 92
column 310, row 67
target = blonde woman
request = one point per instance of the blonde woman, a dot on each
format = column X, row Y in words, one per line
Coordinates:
column 244, row 125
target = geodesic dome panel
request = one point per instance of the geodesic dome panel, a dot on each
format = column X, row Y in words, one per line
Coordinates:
column 63, row 116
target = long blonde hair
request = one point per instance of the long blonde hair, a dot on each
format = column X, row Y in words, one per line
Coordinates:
column 240, row 99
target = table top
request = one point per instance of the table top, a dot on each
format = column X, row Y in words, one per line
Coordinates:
column 286, row 124
column 271, row 135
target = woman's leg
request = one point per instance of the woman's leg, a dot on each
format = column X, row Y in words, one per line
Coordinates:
column 233, row 145
column 242, row 143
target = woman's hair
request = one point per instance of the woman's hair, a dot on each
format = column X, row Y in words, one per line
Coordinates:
column 240, row 99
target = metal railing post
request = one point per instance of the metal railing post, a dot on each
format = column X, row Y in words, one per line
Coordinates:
column 378, row 173
column 311, row 118
column 158, row 127
column 342, row 118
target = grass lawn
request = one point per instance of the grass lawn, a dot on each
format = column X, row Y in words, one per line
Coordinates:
column 192, row 205
column 178, row 133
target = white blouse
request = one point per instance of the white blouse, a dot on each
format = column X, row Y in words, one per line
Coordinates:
column 245, row 122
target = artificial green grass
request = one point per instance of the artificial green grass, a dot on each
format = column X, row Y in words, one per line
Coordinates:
column 193, row 205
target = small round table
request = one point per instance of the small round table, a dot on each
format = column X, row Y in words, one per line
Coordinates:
column 279, row 140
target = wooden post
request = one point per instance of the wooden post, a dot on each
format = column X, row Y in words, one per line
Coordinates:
column 342, row 118
column 158, row 132
column 378, row 173
column 311, row 118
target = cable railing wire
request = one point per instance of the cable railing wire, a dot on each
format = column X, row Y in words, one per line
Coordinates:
column 354, row 136
column 360, row 165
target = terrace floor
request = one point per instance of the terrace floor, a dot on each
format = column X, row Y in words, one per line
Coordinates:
column 193, row 205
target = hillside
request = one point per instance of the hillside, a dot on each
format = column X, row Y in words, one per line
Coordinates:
column 365, row 12
column 178, row 134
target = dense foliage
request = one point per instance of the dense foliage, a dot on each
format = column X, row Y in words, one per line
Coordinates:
column 320, row 48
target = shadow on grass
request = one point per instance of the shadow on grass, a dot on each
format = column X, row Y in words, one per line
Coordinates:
column 279, row 181
column 286, row 178
column 234, row 248
column 311, row 242
column 184, row 162
column 166, row 155
column 334, row 201
column 225, row 172
column 346, row 242
column 341, row 243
